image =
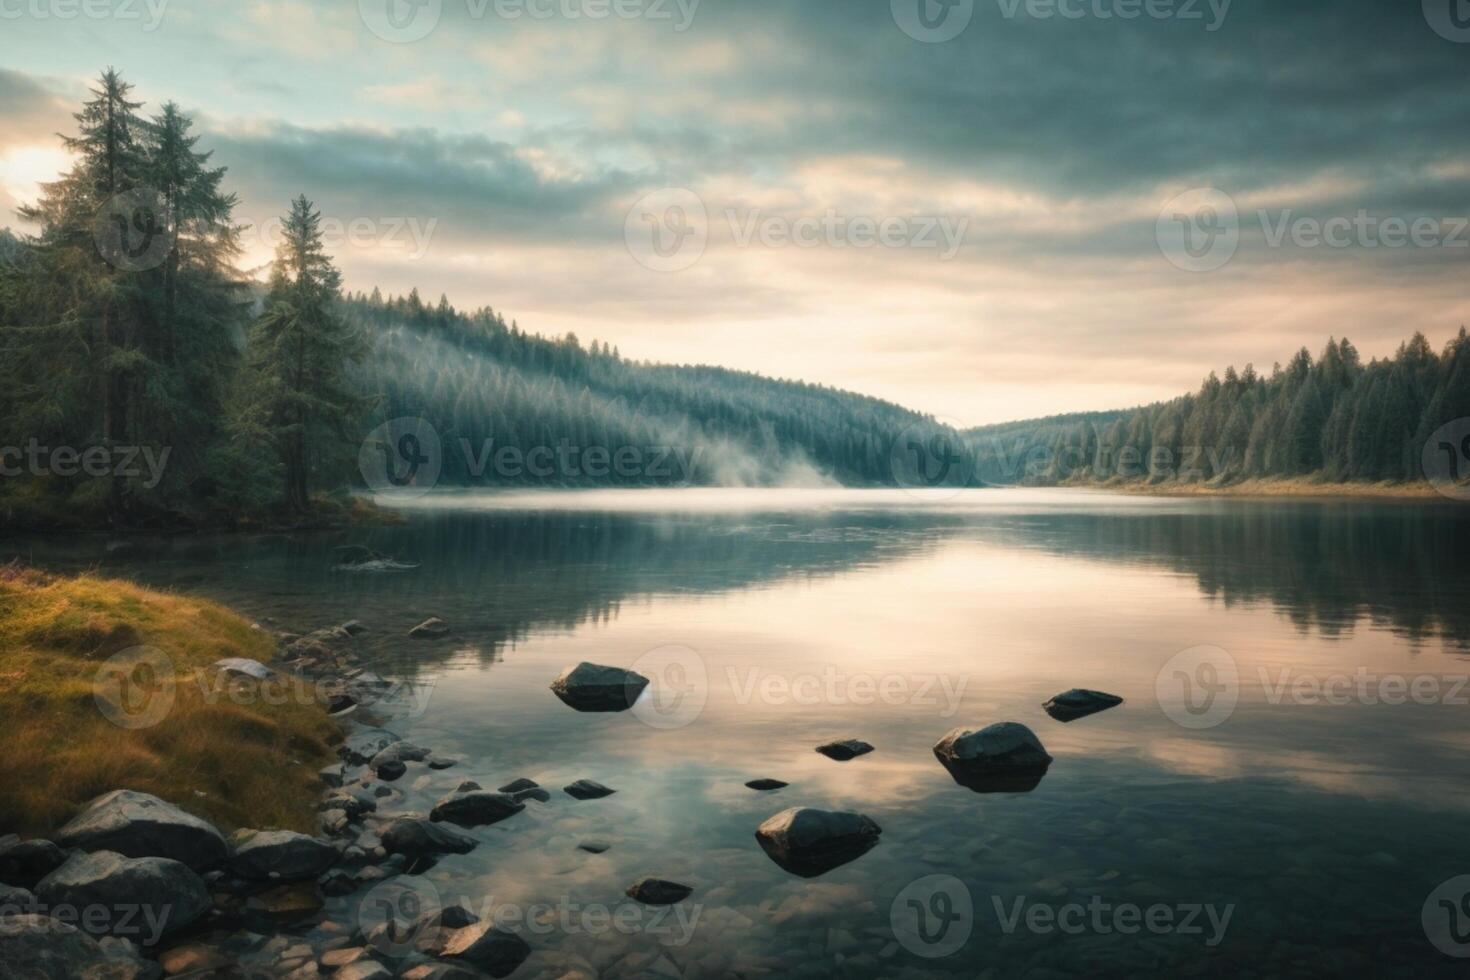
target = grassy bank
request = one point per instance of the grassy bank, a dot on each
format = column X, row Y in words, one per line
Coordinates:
column 244, row 760
column 1299, row 487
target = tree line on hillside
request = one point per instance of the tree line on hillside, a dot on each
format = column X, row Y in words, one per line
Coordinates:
column 1334, row 418
column 129, row 334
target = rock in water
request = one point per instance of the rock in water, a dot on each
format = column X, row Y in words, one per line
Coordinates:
column 809, row 842
column 594, row 846
column 656, row 891
column 593, row 687
column 280, row 855
column 25, row 862
column 38, row 947
column 165, row 894
column 848, row 748
column 485, row 947
column 586, row 789
column 518, row 786
column 1079, row 703
column 432, row 628
column 1003, row 758
column 139, row 825
column 766, row 785
column 417, row 837
column 475, row 808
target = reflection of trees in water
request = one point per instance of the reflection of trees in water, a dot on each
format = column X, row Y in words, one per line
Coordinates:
column 1324, row 567
column 494, row 577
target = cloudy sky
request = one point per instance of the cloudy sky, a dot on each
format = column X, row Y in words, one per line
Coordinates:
column 984, row 209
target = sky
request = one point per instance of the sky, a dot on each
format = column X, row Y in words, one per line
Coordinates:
column 982, row 209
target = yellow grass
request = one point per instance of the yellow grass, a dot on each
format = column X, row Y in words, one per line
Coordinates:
column 239, row 760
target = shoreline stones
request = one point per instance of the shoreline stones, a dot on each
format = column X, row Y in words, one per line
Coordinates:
column 1006, row 757
column 39, row 947
column 169, row 895
column 586, row 789
column 476, row 808
column 24, row 863
column 364, row 746
column 593, row 687
column 845, row 750
column 486, row 947
column 1079, row 703
column 808, row 842
column 139, row 825
column 417, row 837
column 280, row 855
column 657, row 891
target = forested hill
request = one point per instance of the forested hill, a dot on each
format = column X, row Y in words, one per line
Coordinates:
column 495, row 395
column 1332, row 418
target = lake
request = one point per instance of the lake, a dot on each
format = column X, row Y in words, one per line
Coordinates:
column 1283, row 790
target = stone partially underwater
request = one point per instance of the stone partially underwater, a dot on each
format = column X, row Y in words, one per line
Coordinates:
column 808, row 843
column 596, row 688
column 1002, row 758
column 1079, row 703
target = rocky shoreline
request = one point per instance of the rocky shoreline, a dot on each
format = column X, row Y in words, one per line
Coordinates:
column 137, row 888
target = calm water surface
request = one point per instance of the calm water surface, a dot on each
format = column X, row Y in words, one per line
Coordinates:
column 1301, row 832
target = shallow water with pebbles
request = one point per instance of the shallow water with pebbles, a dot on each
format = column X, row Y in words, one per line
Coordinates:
column 1291, row 806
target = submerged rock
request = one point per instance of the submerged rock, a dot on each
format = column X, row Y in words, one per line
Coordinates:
column 485, row 947
column 656, row 891
column 848, row 748
column 140, row 893
column 280, row 855
column 593, row 687
column 1079, row 703
column 594, row 846
column 766, row 785
column 475, row 808
column 139, row 825
column 1002, row 758
column 432, row 628
column 809, row 842
column 518, row 786
column 586, row 789
column 416, row 837
column 38, row 947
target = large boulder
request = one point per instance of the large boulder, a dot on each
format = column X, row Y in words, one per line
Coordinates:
column 476, row 808
column 809, row 842
column 139, row 825
column 593, row 687
column 25, row 862
column 147, row 898
column 1079, row 703
column 280, row 855
column 38, row 947
column 1006, row 757
column 487, row 948
column 416, row 837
